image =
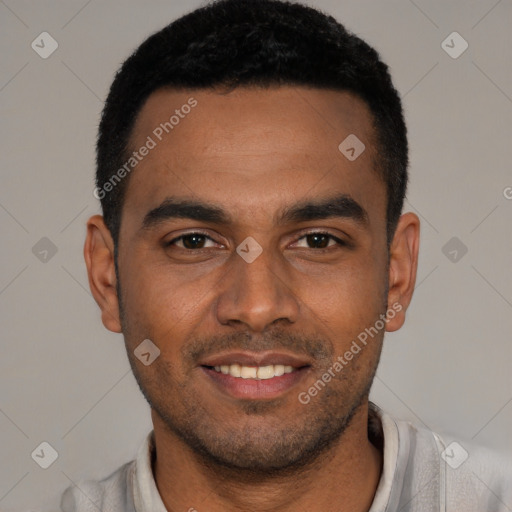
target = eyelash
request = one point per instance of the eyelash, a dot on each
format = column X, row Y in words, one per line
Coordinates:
column 339, row 242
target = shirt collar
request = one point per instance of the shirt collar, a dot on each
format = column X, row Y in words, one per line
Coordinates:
column 394, row 443
column 146, row 495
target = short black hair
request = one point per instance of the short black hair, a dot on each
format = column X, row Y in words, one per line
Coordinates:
column 262, row 43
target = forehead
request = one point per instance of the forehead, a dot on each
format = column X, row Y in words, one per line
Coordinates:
column 228, row 120
column 279, row 144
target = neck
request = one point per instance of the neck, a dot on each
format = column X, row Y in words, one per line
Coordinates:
column 343, row 478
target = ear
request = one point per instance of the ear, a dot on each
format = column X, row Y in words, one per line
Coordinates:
column 99, row 258
column 403, row 264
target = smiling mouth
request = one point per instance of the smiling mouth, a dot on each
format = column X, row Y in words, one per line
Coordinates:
column 254, row 372
column 253, row 375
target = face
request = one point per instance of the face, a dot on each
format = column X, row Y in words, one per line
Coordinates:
column 252, row 253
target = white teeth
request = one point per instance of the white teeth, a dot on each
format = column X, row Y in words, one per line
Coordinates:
column 248, row 372
column 265, row 372
column 278, row 370
column 235, row 370
column 255, row 372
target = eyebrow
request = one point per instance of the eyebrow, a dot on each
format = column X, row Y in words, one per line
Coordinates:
column 172, row 208
column 340, row 206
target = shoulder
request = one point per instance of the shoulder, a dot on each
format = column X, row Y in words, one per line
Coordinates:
column 479, row 472
column 469, row 477
column 111, row 493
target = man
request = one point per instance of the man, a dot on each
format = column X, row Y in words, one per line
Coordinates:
column 252, row 167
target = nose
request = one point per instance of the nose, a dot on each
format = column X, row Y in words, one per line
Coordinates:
column 257, row 294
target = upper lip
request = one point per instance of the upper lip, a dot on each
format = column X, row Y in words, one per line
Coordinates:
column 266, row 358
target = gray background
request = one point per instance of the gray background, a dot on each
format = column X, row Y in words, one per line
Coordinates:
column 65, row 380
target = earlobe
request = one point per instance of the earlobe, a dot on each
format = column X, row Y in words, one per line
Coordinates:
column 99, row 259
column 403, row 263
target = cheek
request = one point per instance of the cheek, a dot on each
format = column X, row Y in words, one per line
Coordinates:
column 163, row 304
column 148, row 285
column 346, row 301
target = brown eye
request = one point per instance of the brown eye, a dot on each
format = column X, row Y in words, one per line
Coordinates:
column 320, row 241
column 190, row 241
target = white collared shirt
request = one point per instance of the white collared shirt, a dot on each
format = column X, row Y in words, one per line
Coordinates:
column 420, row 474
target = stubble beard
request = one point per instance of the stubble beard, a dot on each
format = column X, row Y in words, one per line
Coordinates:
column 252, row 452
column 245, row 447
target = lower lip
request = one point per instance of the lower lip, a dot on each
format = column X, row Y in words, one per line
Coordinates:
column 254, row 389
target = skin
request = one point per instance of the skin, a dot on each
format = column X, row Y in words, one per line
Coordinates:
column 254, row 152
